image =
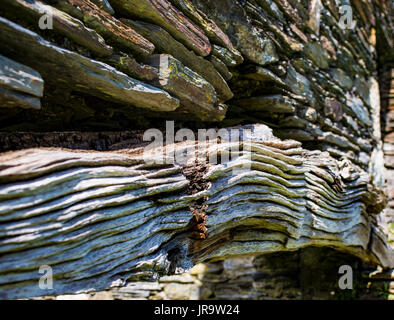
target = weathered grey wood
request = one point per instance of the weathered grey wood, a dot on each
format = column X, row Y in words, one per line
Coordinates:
column 99, row 219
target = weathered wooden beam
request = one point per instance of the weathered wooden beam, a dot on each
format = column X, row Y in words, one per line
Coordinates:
column 99, row 219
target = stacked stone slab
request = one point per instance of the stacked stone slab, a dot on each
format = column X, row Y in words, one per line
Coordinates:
column 288, row 64
column 95, row 74
column 388, row 146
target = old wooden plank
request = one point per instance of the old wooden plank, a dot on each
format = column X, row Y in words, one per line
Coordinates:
column 101, row 218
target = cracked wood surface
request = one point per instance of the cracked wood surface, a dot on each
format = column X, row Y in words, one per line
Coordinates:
column 102, row 218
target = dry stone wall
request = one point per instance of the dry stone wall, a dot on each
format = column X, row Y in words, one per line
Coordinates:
column 388, row 145
column 311, row 79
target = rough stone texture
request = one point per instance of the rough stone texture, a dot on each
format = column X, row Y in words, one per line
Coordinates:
column 98, row 80
column 388, row 147
column 166, row 44
column 81, row 73
column 162, row 13
column 62, row 23
column 20, row 85
column 196, row 95
column 109, row 27
column 100, row 141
